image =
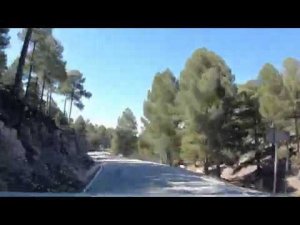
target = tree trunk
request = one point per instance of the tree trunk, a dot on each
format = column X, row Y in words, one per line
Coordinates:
column 50, row 101
column 71, row 105
column 28, row 84
column 47, row 103
column 36, row 86
column 19, row 73
column 258, row 158
column 30, row 71
column 65, row 104
column 37, row 83
column 255, row 133
column 42, row 94
column 297, row 133
column 256, row 123
column 169, row 158
column 273, row 143
column 206, row 166
column 218, row 170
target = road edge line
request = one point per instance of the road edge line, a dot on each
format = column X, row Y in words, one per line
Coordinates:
column 92, row 180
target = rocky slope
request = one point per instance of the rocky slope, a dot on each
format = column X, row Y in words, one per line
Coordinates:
column 36, row 155
column 247, row 174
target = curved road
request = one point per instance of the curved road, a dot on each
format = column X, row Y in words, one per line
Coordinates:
column 125, row 177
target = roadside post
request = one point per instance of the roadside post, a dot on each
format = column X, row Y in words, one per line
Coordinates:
column 286, row 166
column 276, row 136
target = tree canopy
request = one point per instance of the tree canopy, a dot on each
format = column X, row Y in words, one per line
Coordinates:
column 124, row 140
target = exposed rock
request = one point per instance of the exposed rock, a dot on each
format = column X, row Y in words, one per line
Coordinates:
column 248, row 157
column 25, row 133
column 42, row 157
column 10, row 144
column 227, row 173
column 246, row 171
column 15, row 171
column 293, row 183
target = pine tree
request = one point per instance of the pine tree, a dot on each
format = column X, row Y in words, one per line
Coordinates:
column 73, row 90
column 124, row 140
column 204, row 84
column 160, row 120
column 291, row 80
column 19, row 73
column 272, row 104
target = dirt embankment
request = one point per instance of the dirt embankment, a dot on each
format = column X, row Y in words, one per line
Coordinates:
column 261, row 179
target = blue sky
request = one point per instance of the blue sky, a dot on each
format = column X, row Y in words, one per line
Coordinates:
column 119, row 64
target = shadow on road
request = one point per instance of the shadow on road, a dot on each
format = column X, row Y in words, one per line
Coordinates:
column 139, row 178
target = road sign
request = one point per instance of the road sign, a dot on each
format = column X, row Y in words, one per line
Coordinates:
column 279, row 136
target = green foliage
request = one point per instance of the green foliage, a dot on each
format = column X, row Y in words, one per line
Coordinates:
column 272, row 104
column 42, row 55
column 291, row 80
column 17, row 87
column 98, row 136
column 48, row 61
column 193, row 146
column 79, row 125
column 60, row 119
column 203, row 115
column 4, row 42
column 204, row 84
column 161, row 120
column 124, row 143
column 145, row 148
column 124, row 140
column 33, row 93
column 73, row 89
column 109, row 134
column 127, row 122
column 8, row 77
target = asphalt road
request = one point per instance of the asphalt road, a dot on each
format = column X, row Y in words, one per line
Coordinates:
column 124, row 177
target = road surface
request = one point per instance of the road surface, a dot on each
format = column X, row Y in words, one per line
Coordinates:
column 125, row 177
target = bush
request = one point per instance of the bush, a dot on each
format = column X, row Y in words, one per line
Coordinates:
column 60, row 119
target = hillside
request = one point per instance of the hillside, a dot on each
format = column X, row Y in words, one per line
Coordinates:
column 36, row 155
